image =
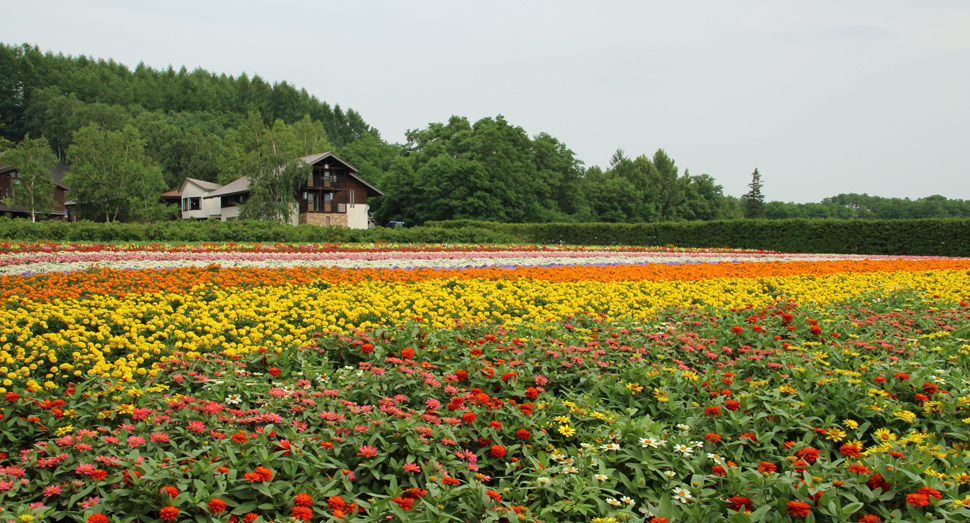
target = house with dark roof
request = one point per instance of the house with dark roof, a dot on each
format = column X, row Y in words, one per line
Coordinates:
column 332, row 194
column 57, row 211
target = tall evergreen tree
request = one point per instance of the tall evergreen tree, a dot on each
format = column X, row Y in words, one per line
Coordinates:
column 753, row 201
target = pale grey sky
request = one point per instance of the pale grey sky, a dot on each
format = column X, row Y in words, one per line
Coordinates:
column 823, row 97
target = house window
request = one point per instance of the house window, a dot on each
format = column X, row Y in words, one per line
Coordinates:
column 185, row 204
column 195, row 204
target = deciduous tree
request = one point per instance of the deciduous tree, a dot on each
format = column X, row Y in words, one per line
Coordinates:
column 33, row 188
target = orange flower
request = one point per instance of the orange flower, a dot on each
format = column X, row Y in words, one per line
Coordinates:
column 216, row 505
column 302, row 500
column 798, row 508
column 168, row 513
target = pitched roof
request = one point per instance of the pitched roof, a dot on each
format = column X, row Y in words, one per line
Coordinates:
column 208, row 186
column 172, row 194
column 237, row 187
column 58, row 171
column 314, row 159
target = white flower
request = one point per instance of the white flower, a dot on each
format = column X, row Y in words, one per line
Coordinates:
column 233, row 399
column 652, row 442
column 593, row 462
column 544, row 480
column 586, row 446
column 571, row 470
column 682, row 495
column 601, row 477
column 610, row 446
column 681, row 426
column 684, row 449
column 613, row 502
column 697, row 444
column 628, row 501
column 713, row 456
column 670, row 474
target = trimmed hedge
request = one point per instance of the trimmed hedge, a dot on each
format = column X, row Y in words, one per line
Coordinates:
column 238, row 231
column 925, row 237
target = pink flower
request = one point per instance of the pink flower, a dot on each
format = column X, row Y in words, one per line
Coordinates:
column 90, row 502
column 411, row 467
column 52, row 490
column 109, row 439
column 6, row 485
column 134, row 441
column 196, row 426
column 367, row 451
column 36, row 504
column 158, row 436
column 433, row 403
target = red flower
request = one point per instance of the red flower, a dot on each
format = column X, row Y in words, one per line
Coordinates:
column 451, row 481
column 461, row 375
column 737, row 329
column 800, row 465
column 816, row 330
column 713, row 438
column 407, row 353
column 509, row 375
column 172, row 491
column 869, row 518
column 97, row 518
column 415, row 493
column 495, row 424
column 740, row 503
column 879, row 379
column 494, row 495
column 732, row 404
column 798, row 508
column 468, row 417
column 12, row 396
column 522, row 434
column 336, row 503
column 749, row 436
column 850, row 450
column 809, row 454
column 659, row 520
column 931, row 492
column 250, row 517
column 861, row 469
column 274, row 371
column 476, row 352
column 168, row 513
column 767, row 468
column 902, row 376
column 261, row 474
column 216, row 505
column 367, row 348
column 531, row 393
column 918, row 500
column 877, row 481
column 718, row 470
column 303, row 513
column 405, row 503
column 526, row 409
column 98, row 475
column 302, row 500
column 713, row 410
column 498, row 451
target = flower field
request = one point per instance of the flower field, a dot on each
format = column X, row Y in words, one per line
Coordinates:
column 480, row 383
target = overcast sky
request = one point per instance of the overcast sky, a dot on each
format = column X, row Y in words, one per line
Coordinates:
column 823, row 97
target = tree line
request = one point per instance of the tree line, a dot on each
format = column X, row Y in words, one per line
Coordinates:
column 130, row 135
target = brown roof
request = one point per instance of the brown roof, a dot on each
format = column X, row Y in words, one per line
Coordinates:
column 58, row 171
column 172, row 194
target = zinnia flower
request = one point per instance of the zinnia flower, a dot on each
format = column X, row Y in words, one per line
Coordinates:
column 799, row 508
column 168, row 513
column 216, row 505
column 97, row 518
column 498, row 451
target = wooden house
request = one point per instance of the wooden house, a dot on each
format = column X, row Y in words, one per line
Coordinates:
column 57, row 211
column 332, row 194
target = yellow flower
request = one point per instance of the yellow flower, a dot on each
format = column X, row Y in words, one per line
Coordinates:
column 905, row 415
column 787, row 389
column 852, row 424
column 884, row 435
column 635, row 388
column 561, row 419
column 835, row 434
column 567, row 431
column 67, row 429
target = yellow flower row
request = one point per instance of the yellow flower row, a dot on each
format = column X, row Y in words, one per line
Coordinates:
column 123, row 337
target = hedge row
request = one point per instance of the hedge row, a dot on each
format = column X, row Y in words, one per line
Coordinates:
column 927, row 237
column 238, row 231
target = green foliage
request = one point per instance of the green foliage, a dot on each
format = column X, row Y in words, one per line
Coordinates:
column 33, row 189
column 111, row 176
column 239, row 231
column 925, row 237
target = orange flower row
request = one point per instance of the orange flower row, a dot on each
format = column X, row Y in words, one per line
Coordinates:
column 53, row 286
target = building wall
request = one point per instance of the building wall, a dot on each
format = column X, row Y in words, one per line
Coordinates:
column 320, row 218
column 357, row 216
column 194, row 191
column 229, row 213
